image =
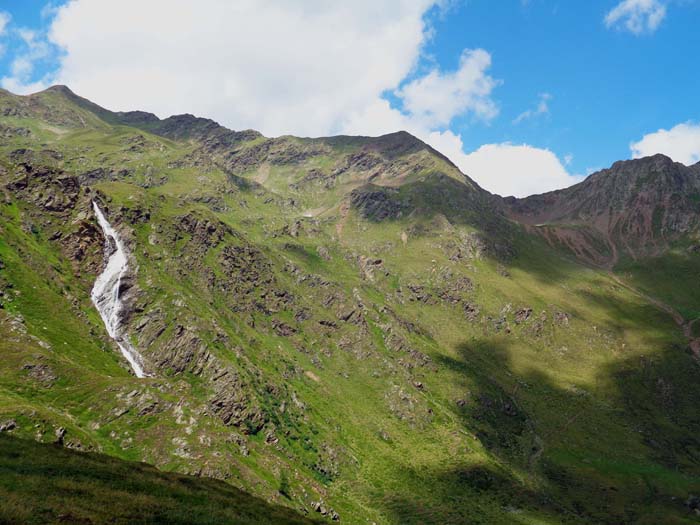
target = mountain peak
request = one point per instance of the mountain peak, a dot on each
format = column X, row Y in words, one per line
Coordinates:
column 136, row 118
column 58, row 88
column 636, row 206
column 658, row 160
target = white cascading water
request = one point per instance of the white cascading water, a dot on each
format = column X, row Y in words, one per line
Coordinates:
column 105, row 295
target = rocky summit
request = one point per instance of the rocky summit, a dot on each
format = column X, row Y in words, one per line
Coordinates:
column 342, row 329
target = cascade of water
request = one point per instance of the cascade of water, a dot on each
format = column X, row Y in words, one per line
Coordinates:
column 105, row 295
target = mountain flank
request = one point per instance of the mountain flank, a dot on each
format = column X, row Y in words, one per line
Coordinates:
column 347, row 329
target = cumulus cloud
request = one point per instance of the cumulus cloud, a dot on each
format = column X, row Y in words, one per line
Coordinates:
column 4, row 22
column 637, row 16
column 517, row 169
column 681, row 143
column 276, row 65
column 507, row 169
column 436, row 98
column 33, row 48
column 542, row 108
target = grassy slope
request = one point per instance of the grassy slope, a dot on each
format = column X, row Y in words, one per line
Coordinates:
column 671, row 277
column 577, row 384
column 48, row 484
column 597, row 436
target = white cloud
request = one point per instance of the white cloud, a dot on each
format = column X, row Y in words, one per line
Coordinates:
column 21, row 67
column 4, row 22
column 34, row 48
column 507, row 169
column 21, row 87
column 49, row 10
column 276, row 65
column 681, row 143
column 637, row 16
column 436, row 98
column 517, row 169
column 542, row 108
column 302, row 67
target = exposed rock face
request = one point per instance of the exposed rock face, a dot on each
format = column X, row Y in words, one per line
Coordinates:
column 59, row 195
column 369, row 266
column 41, row 373
column 249, row 280
column 82, row 245
column 391, row 146
column 231, row 402
column 280, row 151
column 522, row 315
column 189, row 127
column 46, row 187
column 8, row 426
column 376, row 204
column 11, row 131
column 183, row 351
column 205, row 233
column 636, row 207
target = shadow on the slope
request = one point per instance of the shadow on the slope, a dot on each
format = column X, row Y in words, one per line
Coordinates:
column 557, row 446
column 437, row 195
column 42, row 483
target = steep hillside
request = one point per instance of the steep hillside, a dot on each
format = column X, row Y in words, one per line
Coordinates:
column 41, row 484
column 640, row 217
column 346, row 326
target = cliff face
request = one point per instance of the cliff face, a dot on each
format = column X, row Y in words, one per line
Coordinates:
column 347, row 325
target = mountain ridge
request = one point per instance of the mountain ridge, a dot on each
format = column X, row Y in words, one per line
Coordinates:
column 609, row 232
column 144, row 117
column 635, row 207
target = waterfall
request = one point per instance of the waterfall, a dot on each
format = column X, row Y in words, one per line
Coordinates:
column 105, row 295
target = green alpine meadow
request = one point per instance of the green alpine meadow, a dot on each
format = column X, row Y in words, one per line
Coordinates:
column 200, row 325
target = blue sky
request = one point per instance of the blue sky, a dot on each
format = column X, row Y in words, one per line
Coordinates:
column 524, row 95
column 608, row 87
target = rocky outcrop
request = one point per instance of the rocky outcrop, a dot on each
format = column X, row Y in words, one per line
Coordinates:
column 41, row 373
column 280, row 151
column 376, row 203
column 204, row 232
column 12, row 131
column 182, row 351
column 231, row 401
column 46, row 187
column 82, row 246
